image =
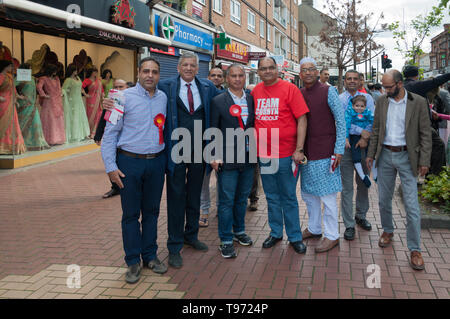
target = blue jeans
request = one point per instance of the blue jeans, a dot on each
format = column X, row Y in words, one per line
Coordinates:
column 234, row 186
column 281, row 196
column 143, row 186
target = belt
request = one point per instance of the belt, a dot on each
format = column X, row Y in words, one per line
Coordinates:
column 144, row 156
column 395, row 148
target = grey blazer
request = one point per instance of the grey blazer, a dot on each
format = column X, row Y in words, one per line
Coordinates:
column 417, row 126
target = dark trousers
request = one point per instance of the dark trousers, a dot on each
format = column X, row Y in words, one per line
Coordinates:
column 143, row 186
column 183, row 204
column 254, row 192
column 356, row 152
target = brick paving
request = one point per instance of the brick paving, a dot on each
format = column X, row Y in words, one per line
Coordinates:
column 53, row 216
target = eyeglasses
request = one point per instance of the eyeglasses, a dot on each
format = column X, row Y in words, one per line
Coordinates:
column 390, row 86
column 269, row 68
column 308, row 70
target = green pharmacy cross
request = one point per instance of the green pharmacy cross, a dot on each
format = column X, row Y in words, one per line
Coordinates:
column 222, row 41
column 168, row 28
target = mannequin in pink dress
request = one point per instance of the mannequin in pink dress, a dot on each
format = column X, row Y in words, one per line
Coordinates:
column 52, row 112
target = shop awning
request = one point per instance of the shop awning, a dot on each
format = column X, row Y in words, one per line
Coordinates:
column 30, row 15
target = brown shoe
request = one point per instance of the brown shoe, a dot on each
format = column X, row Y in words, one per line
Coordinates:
column 416, row 261
column 385, row 239
column 326, row 245
column 307, row 234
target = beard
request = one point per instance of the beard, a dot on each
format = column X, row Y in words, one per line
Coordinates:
column 395, row 93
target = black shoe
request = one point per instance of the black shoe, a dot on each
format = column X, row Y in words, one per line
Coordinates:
column 227, row 251
column 133, row 274
column 111, row 193
column 253, row 206
column 197, row 245
column 364, row 223
column 175, row 260
column 349, row 233
column 271, row 241
column 243, row 239
column 299, row 247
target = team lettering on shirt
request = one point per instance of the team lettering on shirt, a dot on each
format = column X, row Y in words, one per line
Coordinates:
column 267, row 109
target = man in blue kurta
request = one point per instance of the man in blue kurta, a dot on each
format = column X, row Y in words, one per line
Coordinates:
column 325, row 137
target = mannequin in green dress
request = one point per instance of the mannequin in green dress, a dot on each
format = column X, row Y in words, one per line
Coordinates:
column 107, row 81
column 28, row 113
column 76, row 122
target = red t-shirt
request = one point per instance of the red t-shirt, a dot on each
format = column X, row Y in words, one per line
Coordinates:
column 277, row 108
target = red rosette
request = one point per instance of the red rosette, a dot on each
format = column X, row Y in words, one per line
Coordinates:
column 159, row 122
column 235, row 110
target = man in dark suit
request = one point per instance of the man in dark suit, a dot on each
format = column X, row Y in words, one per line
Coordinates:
column 400, row 142
column 233, row 110
column 188, row 110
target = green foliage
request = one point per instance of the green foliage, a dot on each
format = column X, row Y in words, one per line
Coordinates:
column 409, row 39
column 437, row 188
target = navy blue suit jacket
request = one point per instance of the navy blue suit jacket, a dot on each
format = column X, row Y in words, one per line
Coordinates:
column 171, row 88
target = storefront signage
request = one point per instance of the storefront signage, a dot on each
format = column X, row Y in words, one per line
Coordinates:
column 182, row 33
column 123, row 14
column 111, row 36
column 256, row 55
column 170, row 51
column 235, row 51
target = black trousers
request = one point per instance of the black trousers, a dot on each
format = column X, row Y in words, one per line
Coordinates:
column 183, row 204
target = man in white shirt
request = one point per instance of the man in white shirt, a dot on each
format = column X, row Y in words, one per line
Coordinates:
column 400, row 142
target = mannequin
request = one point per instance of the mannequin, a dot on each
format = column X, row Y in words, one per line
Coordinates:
column 11, row 139
column 76, row 122
column 93, row 86
column 52, row 113
column 29, row 118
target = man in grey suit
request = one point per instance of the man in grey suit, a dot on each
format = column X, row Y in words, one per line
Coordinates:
column 400, row 142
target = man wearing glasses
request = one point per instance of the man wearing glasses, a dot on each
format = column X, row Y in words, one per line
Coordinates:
column 401, row 142
column 324, row 146
column 280, row 123
column 351, row 83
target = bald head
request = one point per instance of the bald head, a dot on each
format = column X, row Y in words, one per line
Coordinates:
column 120, row 84
column 393, row 84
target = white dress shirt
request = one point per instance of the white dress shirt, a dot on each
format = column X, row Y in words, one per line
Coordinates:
column 242, row 102
column 195, row 94
column 395, row 122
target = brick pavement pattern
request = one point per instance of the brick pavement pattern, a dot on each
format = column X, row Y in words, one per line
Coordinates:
column 53, row 216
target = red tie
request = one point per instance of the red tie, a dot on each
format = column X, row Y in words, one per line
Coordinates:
column 190, row 99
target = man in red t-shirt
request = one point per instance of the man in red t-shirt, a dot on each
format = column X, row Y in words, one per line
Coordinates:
column 280, row 124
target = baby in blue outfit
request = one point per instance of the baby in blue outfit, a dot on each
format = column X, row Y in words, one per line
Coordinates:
column 360, row 116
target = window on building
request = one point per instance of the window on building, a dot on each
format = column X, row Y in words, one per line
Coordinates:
column 280, row 13
column 261, row 28
column 202, row 2
column 251, row 21
column 268, row 33
column 217, row 6
column 268, row 1
column 235, row 11
column 281, row 43
column 295, row 23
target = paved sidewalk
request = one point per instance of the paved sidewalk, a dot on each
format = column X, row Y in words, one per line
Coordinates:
column 53, row 216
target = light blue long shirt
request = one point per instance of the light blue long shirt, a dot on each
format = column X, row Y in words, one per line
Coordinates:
column 136, row 131
column 316, row 178
column 346, row 102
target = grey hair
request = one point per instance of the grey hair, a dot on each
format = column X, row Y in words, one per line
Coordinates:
column 237, row 65
column 308, row 60
column 188, row 55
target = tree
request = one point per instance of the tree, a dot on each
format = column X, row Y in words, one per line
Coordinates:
column 409, row 38
column 347, row 36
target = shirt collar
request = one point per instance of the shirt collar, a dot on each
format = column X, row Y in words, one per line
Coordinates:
column 235, row 97
column 183, row 82
column 143, row 91
column 402, row 101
